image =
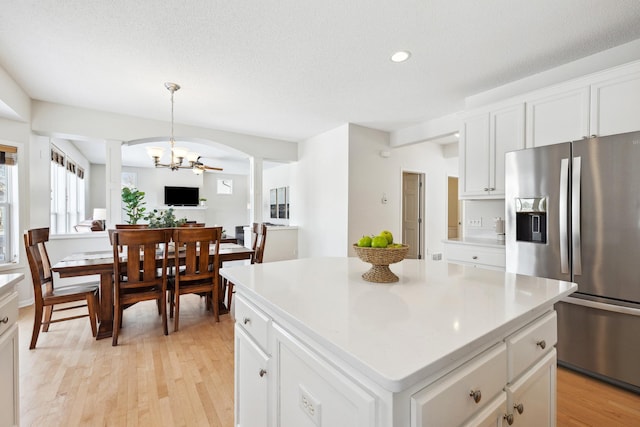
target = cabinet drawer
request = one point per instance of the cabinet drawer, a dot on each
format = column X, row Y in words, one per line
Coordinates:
column 450, row 400
column 8, row 311
column 469, row 254
column 529, row 344
column 253, row 321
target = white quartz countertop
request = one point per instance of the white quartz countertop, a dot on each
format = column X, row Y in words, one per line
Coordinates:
column 477, row 241
column 8, row 282
column 397, row 333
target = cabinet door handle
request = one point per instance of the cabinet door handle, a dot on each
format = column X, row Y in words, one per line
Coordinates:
column 262, row 373
column 474, row 257
column 492, row 188
column 246, row 320
column 486, row 188
column 5, row 319
column 508, row 418
column 542, row 344
column 519, row 407
column 476, row 394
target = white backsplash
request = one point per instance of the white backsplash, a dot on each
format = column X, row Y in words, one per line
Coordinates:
column 478, row 217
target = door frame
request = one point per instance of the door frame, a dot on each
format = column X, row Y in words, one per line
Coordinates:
column 422, row 207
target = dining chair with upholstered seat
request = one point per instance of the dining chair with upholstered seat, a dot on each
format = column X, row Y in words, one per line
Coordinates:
column 47, row 296
column 140, row 261
column 259, row 239
column 197, row 252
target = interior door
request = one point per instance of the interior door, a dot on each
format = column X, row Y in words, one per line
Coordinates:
column 412, row 209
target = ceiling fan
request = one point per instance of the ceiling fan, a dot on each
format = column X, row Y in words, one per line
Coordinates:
column 199, row 165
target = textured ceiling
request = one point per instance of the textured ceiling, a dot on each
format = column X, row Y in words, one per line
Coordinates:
column 291, row 69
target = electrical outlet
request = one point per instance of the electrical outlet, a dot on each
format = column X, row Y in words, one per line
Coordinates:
column 309, row 405
column 436, row 256
column 475, row 222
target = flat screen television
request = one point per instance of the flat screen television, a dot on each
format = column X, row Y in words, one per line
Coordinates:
column 181, row 196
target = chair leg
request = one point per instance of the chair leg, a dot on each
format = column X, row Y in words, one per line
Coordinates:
column 216, row 303
column 48, row 311
column 163, row 310
column 37, row 324
column 171, row 303
column 229, row 294
column 92, row 304
column 176, row 306
column 117, row 322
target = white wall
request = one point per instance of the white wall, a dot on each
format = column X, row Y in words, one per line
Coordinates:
column 321, row 194
column 226, row 210
column 371, row 176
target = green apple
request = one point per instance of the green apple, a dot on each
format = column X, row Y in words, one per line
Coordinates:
column 387, row 235
column 365, row 242
column 379, row 242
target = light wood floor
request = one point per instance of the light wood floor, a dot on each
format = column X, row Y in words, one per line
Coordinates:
column 186, row 378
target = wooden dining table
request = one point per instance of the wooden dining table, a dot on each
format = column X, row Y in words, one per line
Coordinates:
column 101, row 263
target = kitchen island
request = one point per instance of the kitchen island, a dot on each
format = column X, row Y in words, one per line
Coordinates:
column 446, row 345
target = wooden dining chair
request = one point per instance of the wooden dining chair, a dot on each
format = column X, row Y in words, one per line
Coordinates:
column 140, row 261
column 47, row 296
column 199, row 268
column 259, row 239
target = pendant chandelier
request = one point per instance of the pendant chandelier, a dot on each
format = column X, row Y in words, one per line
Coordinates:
column 177, row 154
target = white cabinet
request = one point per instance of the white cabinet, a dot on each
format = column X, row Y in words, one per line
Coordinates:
column 485, row 139
column 313, row 393
column 9, row 377
column 491, row 257
column 531, row 400
column 252, row 366
column 558, row 117
column 615, row 102
column 463, row 393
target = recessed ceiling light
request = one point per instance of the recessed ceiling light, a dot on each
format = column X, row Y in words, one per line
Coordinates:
column 401, row 56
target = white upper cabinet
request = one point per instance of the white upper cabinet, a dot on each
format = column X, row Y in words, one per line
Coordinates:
column 558, row 117
column 485, row 138
column 615, row 102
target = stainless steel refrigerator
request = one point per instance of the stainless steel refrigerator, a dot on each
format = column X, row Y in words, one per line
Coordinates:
column 573, row 213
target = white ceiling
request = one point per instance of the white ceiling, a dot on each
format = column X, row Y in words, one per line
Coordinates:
column 291, row 69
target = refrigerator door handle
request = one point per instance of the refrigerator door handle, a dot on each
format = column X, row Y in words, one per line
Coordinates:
column 575, row 217
column 563, row 205
column 602, row 306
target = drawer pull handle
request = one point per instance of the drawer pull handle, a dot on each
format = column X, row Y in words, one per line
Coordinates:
column 476, row 394
column 246, row 320
column 519, row 407
column 262, row 373
column 5, row 319
column 542, row 344
column 474, row 257
column 509, row 418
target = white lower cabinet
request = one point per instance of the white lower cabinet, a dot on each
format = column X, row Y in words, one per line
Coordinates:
column 9, row 376
column 286, row 379
column 476, row 255
column 531, row 400
column 252, row 382
column 313, row 393
column 462, row 393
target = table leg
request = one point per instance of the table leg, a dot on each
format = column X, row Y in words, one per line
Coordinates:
column 105, row 329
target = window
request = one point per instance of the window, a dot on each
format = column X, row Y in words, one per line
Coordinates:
column 67, row 193
column 8, row 204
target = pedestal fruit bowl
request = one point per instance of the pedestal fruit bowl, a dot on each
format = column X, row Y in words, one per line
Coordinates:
column 380, row 258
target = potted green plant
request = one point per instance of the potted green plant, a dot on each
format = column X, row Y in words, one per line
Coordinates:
column 203, row 201
column 133, row 200
column 164, row 219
